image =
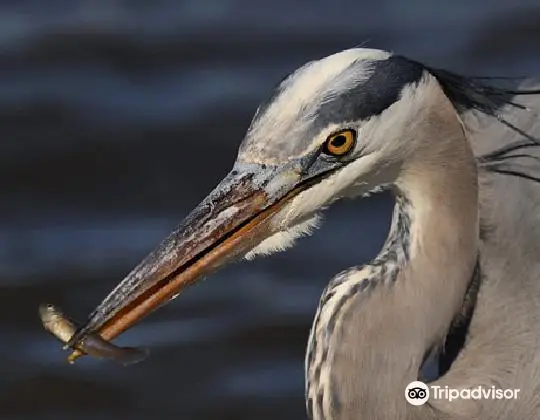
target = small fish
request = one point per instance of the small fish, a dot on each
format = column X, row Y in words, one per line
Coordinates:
column 63, row 328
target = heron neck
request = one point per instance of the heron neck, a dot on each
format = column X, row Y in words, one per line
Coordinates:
column 375, row 324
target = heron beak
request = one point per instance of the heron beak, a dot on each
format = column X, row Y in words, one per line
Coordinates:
column 229, row 222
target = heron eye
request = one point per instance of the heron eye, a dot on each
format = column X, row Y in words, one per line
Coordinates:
column 340, row 143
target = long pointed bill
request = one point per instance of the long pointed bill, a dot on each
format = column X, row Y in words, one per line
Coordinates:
column 234, row 218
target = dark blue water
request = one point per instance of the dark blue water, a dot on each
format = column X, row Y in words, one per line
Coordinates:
column 116, row 118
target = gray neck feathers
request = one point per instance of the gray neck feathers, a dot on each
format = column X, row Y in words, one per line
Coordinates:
column 396, row 250
column 346, row 286
column 375, row 323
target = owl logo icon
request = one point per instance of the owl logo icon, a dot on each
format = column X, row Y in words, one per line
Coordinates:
column 417, row 393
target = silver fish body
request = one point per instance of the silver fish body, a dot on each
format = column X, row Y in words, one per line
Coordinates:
column 63, row 328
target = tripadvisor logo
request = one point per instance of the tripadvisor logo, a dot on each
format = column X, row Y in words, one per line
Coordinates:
column 417, row 393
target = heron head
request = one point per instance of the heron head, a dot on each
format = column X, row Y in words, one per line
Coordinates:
column 340, row 126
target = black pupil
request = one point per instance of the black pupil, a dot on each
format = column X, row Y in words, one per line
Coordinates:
column 339, row 141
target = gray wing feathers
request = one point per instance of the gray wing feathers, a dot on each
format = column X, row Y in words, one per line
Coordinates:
column 501, row 349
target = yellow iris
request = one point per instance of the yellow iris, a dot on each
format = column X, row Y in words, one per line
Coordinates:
column 340, row 143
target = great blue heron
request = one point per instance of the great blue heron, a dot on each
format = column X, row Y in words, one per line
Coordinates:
column 460, row 269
